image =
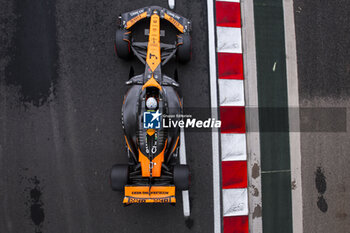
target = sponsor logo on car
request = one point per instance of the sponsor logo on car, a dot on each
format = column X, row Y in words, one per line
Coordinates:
column 145, row 200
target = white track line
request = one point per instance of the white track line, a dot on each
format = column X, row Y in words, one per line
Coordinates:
column 252, row 116
column 293, row 104
column 171, row 4
column 186, row 203
column 214, row 114
column 185, row 194
column 183, row 158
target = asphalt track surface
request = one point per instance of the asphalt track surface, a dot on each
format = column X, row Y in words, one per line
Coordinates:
column 322, row 39
column 61, row 91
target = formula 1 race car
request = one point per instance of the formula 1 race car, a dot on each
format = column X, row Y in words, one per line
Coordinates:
column 153, row 172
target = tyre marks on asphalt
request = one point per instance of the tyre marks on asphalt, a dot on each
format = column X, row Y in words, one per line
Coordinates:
column 321, row 186
column 33, row 52
column 34, row 203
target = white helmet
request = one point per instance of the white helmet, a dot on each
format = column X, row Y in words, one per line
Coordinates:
column 151, row 103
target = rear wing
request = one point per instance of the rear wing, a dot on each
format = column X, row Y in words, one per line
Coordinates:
column 147, row 194
column 129, row 19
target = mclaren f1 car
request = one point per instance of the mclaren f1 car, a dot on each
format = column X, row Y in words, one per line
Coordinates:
column 153, row 172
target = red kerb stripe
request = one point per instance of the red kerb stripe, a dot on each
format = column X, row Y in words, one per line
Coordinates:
column 234, row 174
column 232, row 119
column 230, row 65
column 236, row 224
column 228, row 14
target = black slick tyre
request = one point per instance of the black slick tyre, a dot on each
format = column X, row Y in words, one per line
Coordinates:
column 119, row 176
column 122, row 44
column 181, row 177
column 184, row 53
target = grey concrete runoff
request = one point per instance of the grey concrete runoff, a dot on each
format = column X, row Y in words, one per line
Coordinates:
column 252, row 120
column 294, row 123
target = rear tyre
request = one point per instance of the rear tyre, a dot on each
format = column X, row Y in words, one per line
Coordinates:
column 119, row 176
column 122, row 44
column 184, row 52
column 182, row 177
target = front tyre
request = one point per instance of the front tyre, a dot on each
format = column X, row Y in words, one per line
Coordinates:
column 122, row 44
column 119, row 176
column 184, row 52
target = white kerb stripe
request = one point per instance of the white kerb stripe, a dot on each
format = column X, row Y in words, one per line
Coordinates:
column 233, row 147
column 227, row 0
column 235, row 202
column 229, row 40
column 231, row 92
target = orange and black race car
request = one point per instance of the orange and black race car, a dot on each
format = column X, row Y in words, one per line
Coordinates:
column 153, row 173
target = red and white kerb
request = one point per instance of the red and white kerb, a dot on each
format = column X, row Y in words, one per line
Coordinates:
column 232, row 114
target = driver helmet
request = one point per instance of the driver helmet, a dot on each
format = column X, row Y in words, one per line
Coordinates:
column 151, row 103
